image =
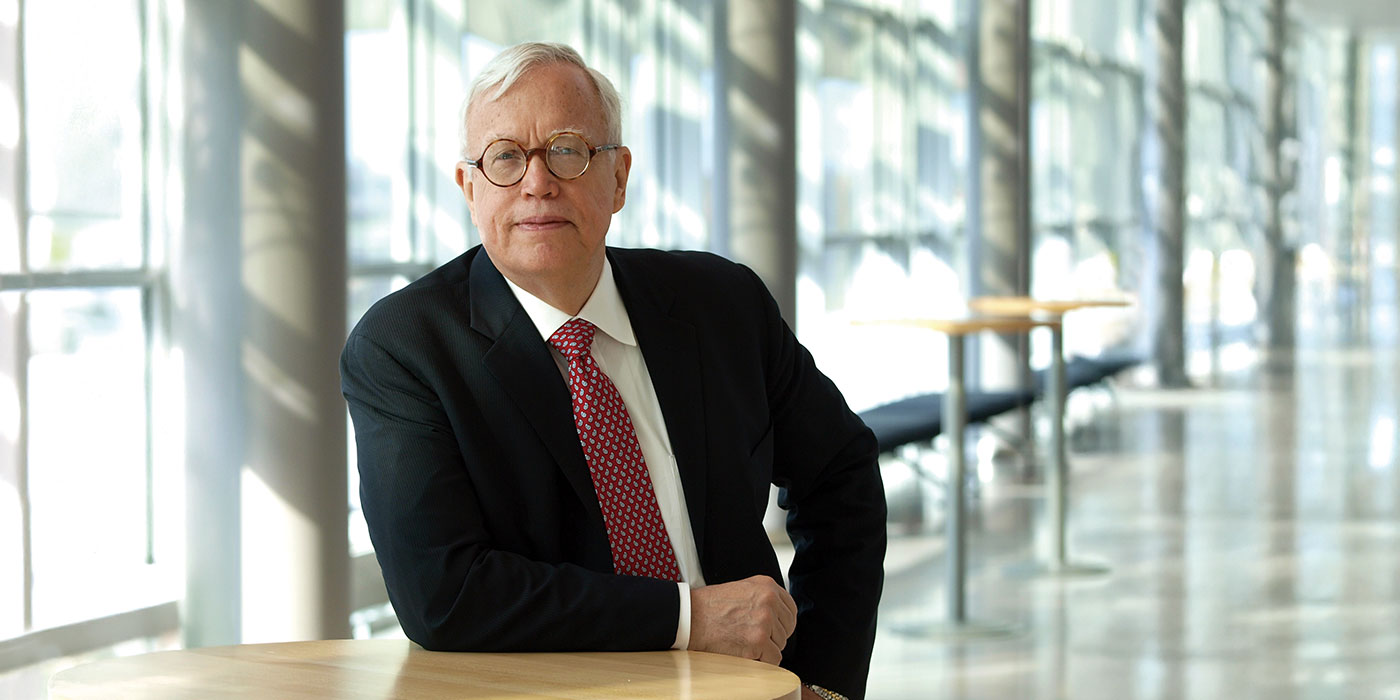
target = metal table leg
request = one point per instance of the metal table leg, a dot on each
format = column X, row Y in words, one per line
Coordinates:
column 954, row 422
column 1057, row 507
column 1057, row 496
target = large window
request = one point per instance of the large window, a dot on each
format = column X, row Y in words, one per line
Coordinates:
column 85, row 525
column 882, row 157
column 1088, row 126
column 1223, row 56
column 1382, row 208
column 1086, row 131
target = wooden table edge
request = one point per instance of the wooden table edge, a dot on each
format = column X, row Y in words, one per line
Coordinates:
column 374, row 659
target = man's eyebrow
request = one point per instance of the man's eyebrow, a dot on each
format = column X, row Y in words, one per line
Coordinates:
column 496, row 135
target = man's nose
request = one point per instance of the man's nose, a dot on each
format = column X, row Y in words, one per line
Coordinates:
column 539, row 180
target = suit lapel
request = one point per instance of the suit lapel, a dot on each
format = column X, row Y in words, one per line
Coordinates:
column 672, row 353
column 521, row 363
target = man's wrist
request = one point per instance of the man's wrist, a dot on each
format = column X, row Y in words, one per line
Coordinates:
column 825, row 694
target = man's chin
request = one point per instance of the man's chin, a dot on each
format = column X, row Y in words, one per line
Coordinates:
column 547, row 260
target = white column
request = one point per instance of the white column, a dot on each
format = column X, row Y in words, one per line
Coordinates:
column 295, row 574
column 206, row 322
column 259, row 318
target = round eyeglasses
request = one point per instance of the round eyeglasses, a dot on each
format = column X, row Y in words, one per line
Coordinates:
column 566, row 154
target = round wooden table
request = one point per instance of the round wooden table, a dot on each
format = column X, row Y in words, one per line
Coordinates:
column 375, row 669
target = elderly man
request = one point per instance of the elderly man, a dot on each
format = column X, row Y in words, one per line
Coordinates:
column 564, row 446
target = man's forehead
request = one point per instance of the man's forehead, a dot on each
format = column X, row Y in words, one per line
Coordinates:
column 508, row 131
column 491, row 115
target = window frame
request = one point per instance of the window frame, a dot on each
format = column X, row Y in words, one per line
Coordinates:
column 150, row 281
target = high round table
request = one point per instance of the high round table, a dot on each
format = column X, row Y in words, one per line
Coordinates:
column 957, row 328
column 379, row 669
column 1058, row 563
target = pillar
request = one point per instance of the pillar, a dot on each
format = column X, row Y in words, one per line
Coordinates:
column 206, row 321
column 761, row 66
column 1164, row 192
column 999, row 229
column 259, row 286
column 1276, row 267
column 295, row 546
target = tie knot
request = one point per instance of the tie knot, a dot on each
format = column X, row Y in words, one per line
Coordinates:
column 573, row 338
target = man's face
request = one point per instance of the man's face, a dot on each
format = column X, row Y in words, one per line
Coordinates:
column 542, row 230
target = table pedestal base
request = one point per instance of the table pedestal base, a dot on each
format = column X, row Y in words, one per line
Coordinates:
column 967, row 630
column 1050, row 569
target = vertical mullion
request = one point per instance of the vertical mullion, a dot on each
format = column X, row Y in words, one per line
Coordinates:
column 22, row 452
column 149, row 306
column 22, row 153
column 414, row 17
column 22, row 320
column 144, row 93
column 719, row 114
column 148, row 316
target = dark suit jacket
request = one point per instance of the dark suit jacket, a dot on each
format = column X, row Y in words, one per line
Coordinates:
column 480, row 504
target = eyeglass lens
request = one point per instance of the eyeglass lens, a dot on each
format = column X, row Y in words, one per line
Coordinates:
column 505, row 161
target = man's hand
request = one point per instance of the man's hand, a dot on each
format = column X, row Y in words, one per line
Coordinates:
column 752, row 618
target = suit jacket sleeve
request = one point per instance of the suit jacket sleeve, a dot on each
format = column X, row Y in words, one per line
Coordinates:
column 451, row 585
column 825, row 463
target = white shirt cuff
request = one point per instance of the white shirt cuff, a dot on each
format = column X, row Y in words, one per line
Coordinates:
column 683, row 624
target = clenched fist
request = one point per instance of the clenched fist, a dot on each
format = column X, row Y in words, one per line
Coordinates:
column 752, row 618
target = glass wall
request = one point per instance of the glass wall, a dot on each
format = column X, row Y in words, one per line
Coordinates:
column 1086, row 131
column 89, row 511
column 1330, row 64
column 1225, row 79
column 1383, row 202
column 884, row 98
column 882, row 177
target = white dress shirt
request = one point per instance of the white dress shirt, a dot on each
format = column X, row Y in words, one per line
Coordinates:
column 616, row 351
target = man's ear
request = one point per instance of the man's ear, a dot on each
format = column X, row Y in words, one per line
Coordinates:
column 620, row 172
column 464, row 182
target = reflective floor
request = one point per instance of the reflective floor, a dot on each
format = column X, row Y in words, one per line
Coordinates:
column 1251, row 527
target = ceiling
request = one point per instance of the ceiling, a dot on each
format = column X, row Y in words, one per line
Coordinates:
column 1362, row 14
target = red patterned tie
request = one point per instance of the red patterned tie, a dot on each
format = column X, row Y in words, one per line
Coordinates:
column 636, row 533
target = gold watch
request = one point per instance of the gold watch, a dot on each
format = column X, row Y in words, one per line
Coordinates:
column 825, row 694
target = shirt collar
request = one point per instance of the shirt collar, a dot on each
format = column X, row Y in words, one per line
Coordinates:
column 603, row 309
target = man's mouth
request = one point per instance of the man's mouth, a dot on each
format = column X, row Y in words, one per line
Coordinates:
column 542, row 223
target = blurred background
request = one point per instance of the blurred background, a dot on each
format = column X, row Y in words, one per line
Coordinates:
column 198, row 198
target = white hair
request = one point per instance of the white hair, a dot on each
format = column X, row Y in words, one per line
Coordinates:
column 501, row 72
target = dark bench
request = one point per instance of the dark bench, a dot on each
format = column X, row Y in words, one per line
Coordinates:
column 1083, row 371
column 920, row 418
